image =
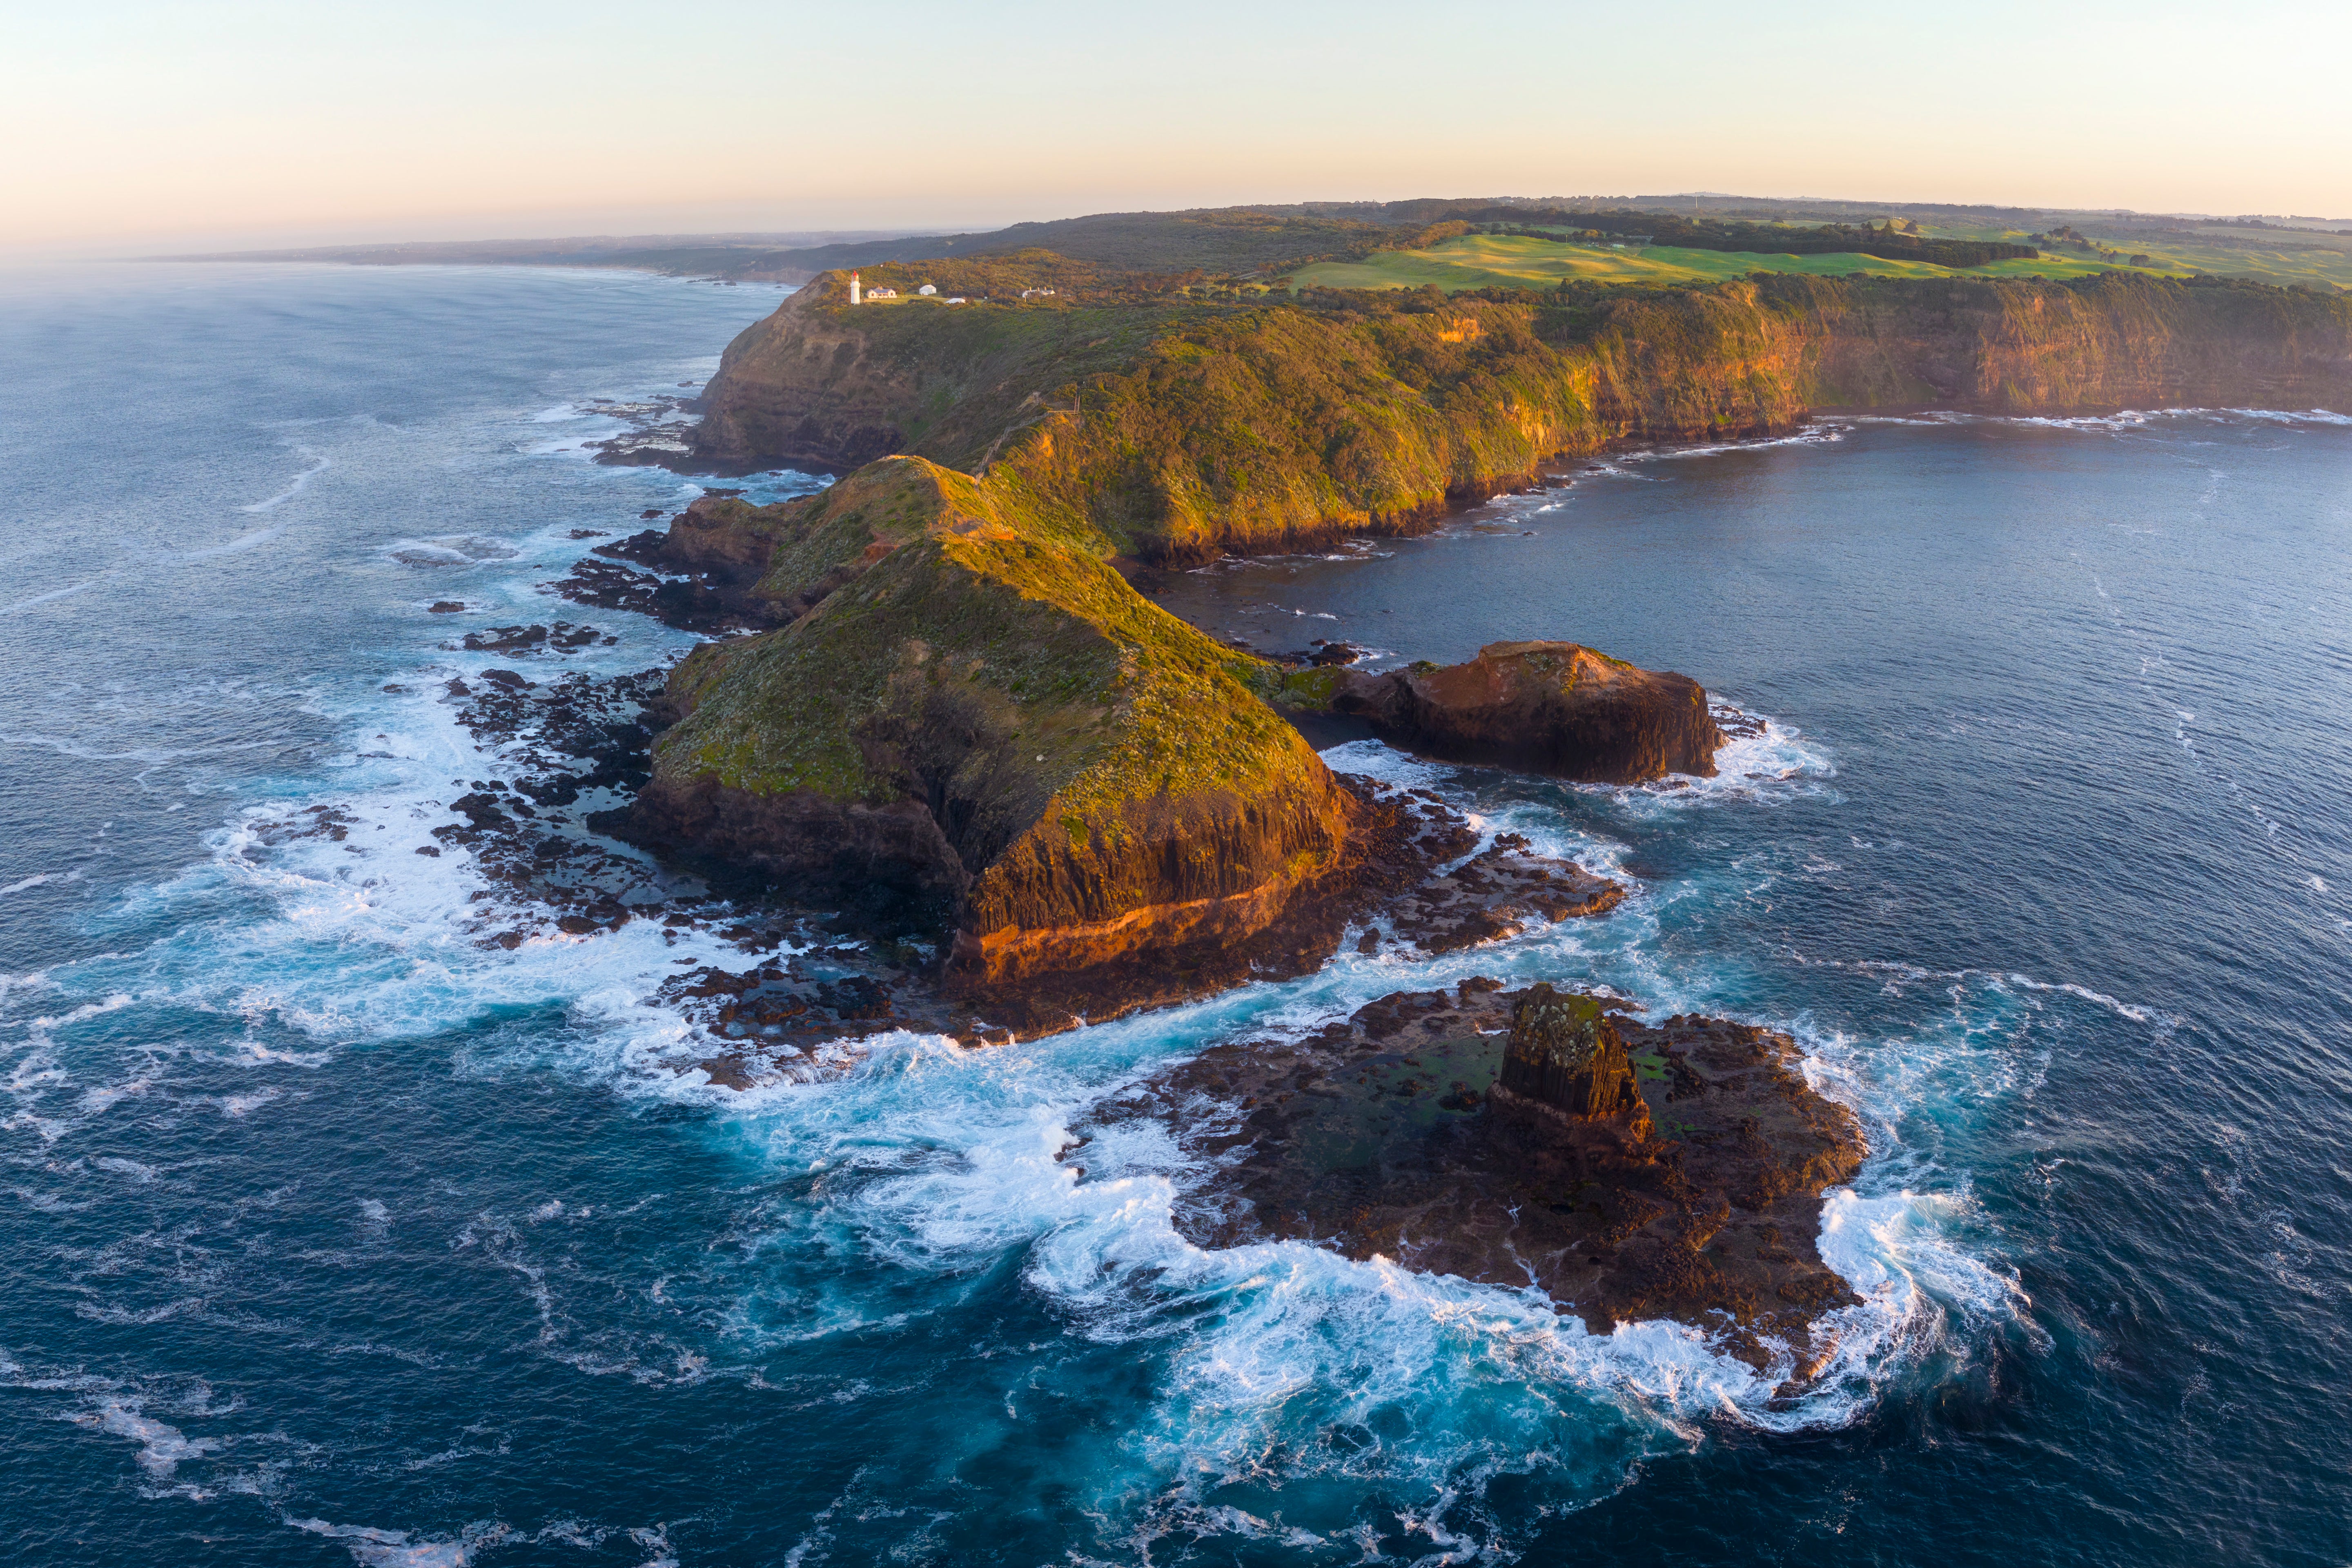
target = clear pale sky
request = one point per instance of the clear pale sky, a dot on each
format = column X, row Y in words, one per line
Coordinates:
column 259, row 121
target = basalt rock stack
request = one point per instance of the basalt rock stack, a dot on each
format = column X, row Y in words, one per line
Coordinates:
column 1554, row 708
column 1565, row 1059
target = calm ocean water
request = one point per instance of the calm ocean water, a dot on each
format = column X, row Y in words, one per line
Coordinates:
column 332, row 1235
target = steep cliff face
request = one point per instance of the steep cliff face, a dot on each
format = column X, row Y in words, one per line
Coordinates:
column 821, row 385
column 1549, row 707
column 2106, row 344
column 1176, row 433
column 993, row 737
column 799, row 388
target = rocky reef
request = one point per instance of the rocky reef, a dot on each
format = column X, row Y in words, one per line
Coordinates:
column 1553, row 708
column 1170, row 430
column 1540, row 1137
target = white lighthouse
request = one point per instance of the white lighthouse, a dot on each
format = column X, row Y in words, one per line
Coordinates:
column 853, row 288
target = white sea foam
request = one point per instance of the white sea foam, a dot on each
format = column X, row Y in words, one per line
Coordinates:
column 39, row 878
column 162, row 1448
column 450, row 550
column 2123, row 421
column 45, row 598
column 320, row 463
column 254, row 540
column 1819, row 434
column 397, row 1549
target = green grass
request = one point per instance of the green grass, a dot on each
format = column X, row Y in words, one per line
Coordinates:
column 1509, row 261
column 2266, row 256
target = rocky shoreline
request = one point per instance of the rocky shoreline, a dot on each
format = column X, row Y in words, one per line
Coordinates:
column 1695, row 1195
column 941, row 769
column 1423, row 885
column 1533, row 1138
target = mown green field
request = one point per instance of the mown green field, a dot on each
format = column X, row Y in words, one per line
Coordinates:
column 1509, row 261
column 2266, row 255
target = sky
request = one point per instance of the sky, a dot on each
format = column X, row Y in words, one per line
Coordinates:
column 257, row 122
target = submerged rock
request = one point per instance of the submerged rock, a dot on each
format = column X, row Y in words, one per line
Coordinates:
column 1537, row 1138
column 1555, row 708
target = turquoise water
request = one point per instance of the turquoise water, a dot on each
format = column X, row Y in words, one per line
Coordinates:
column 333, row 1234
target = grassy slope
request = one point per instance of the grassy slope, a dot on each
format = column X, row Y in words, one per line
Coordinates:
column 2264, row 255
column 1206, row 425
column 1110, row 698
column 1509, row 261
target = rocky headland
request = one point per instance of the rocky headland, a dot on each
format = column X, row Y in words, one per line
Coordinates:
column 973, row 736
column 963, row 731
column 1026, row 797
column 1161, row 422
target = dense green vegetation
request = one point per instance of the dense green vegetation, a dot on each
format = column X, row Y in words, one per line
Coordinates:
column 1210, row 425
column 2287, row 257
column 1890, row 241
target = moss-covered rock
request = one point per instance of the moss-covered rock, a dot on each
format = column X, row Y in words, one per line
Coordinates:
column 993, row 733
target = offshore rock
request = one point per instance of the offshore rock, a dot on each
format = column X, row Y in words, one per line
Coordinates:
column 1566, row 1059
column 1683, row 1177
column 1554, row 708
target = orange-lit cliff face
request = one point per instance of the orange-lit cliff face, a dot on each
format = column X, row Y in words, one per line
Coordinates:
column 1180, row 434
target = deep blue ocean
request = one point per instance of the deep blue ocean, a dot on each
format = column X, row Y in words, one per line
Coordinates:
column 329, row 1233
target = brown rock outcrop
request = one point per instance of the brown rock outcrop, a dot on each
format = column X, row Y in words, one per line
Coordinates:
column 990, row 737
column 1554, row 708
column 1676, row 1170
column 1566, row 1059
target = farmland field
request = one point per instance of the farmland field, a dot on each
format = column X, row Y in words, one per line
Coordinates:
column 1514, row 261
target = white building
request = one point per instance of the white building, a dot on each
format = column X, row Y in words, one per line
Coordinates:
column 926, row 289
column 881, row 293
column 853, row 288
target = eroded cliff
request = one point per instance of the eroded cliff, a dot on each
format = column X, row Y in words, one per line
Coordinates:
column 1175, row 430
column 977, row 732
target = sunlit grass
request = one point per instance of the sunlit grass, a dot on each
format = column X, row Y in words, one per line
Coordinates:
column 1509, row 261
column 2270, row 259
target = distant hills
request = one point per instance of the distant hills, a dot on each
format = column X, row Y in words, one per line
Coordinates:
column 1270, row 240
